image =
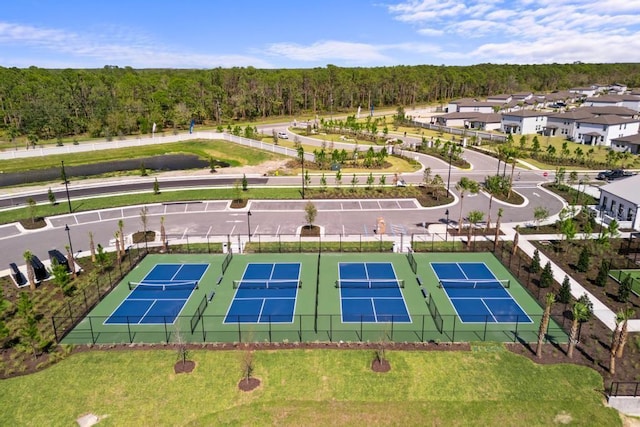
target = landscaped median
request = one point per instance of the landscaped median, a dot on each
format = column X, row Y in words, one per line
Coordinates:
column 488, row 386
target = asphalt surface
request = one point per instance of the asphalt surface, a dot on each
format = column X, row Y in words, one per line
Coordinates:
column 215, row 221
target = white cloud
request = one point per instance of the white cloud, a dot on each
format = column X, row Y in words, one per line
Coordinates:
column 114, row 46
column 359, row 53
column 431, row 32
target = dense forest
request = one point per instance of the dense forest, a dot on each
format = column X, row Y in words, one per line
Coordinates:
column 54, row 103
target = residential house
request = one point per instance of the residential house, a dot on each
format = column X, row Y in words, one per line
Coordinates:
column 629, row 144
column 620, row 200
column 586, row 91
column 523, row 122
column 563, row 124
column 600, row 130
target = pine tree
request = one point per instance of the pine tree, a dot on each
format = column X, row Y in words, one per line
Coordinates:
column 583, row 260
column 546, row 278
column 535, row 262
column 603, row 273
column 564, row 294
column 624, row 290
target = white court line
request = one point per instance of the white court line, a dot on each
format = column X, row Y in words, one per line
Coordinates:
column 145, row 313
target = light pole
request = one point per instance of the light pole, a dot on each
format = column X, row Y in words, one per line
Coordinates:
column 449, row 175
column 446, row 230
column 68, row 230
column 249, row 224
column 66, row 185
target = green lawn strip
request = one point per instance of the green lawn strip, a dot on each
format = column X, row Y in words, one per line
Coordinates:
column 218, row 149
column 299, row 386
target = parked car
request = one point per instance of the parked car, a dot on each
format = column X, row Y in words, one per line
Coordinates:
column 614, row 174
column 283, row 135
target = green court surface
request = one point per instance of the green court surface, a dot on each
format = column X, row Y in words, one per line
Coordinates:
column 317, row 315
column 620, row 275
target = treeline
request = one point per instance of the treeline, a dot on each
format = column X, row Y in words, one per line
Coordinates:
column 112, row 101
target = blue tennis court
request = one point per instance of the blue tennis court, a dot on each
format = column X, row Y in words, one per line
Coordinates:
column 266, row 294
column 161, row 295
column 477, row 295
column 370, row 292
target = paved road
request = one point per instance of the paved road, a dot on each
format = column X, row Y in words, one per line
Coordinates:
column 215, row 218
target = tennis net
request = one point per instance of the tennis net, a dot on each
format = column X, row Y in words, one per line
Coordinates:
column 475, row 284
column 370, row 284
column 267, row 284
column 164, row 286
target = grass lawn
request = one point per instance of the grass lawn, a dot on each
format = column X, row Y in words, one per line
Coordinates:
column 235, row 154
column 308, row 387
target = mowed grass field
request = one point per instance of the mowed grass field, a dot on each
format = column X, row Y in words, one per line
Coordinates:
column 488, row 386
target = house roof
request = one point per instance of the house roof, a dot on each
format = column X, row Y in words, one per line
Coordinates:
column 604, row 99
column 575, row 114
column 525, row 113
column 629, row 139
column 610, row 110
column 487, row 117
column 608, row 120
column 626, row 189
column 474, row 103
column 459, row 115
column 500, row 97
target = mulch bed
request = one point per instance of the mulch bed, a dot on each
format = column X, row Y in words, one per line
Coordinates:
column 310, row 231
column 380, row 365
column 33, row 225
column 184, row 367
column 248, row 384
column 138, row 237
column 238, row 203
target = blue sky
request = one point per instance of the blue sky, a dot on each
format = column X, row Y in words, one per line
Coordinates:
column 292, row 34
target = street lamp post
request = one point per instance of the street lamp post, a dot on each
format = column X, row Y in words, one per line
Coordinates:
column 446, row 230
column 449, row 175
column 66, row 185
column 249, row 224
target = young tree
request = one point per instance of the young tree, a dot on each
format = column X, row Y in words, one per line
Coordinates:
column 310, row 213
column 493, row 184
column 61, row 277
column 101, row 257
column 540, row 214
column 564, row 294
column 323, row 183
column 382, row 181
column 29, row 331
column 544, row 322
column 580, row 313
column 535, row 262
column 338, row 178
column 603, row 273
column 51, row 197
column 354, row 182
column 370, row 181
column 31, row 208
column 615, row 344
column 245, row 182
column 546, row 278
column 156, row 187
column 143, row 170
column 569, row 231
column 584, row 260
column 624, row 290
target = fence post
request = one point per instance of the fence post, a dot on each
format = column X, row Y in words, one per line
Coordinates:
column 204, row 336
column 129, row 331
column 93, row 338
column 453, row 331
column 166, row 333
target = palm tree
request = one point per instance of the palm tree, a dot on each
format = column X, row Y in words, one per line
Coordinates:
column 120, row 249
column 493, row 186
column 513, row 155
column 474, row 218
column 163, row 234
column 625, row 314
column 544, row 322
column 579, row 312
column 615, row 344
column 495, row 240
column 72, row 261
column 465, row 185
column 92, row 248
column 31, row 274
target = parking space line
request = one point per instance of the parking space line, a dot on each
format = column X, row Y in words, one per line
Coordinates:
column 209, row 230
column 185, row 232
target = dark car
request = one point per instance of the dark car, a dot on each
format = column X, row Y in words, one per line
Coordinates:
column 613, row 174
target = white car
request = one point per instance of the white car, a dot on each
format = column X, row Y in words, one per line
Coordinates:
column 283, row 135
